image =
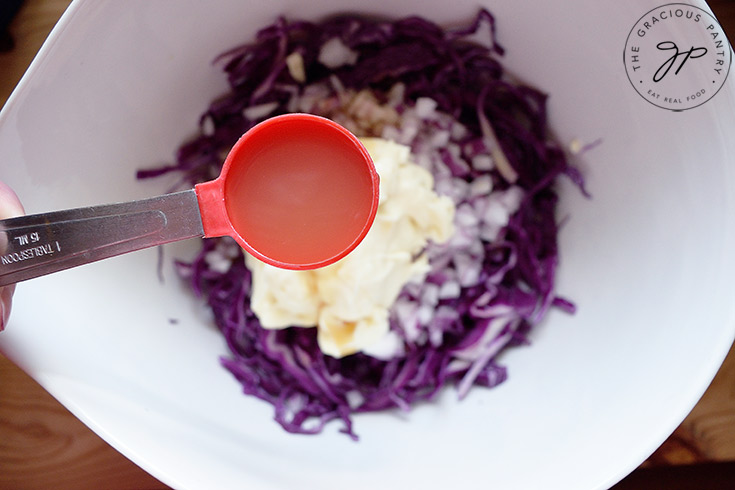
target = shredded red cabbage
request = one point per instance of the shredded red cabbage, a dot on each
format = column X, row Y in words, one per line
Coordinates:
column 485, row 139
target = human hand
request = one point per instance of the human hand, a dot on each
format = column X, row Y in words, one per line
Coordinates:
column 10, row 207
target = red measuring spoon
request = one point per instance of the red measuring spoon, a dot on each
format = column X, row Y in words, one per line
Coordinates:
column 297, row 191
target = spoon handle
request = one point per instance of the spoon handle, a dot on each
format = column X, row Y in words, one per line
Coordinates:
column 39, row 244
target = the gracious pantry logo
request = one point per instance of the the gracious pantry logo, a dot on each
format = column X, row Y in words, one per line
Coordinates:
column 677, row 56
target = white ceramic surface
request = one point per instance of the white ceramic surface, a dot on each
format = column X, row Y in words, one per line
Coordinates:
column 649, row 260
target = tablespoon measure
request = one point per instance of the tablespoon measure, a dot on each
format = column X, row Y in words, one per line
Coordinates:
column 297, row 191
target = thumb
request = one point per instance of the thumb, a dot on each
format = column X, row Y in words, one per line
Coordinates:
column 10, row 207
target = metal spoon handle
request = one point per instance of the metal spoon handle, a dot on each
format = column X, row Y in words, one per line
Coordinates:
column 39, row 244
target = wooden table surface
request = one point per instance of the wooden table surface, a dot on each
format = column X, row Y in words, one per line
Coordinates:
column 43, row 446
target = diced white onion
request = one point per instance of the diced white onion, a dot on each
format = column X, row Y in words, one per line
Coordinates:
column 208, row 126
column 449, row 290
column 334, row 53
column 483, row 162
column 425, row 107
column 217, row 262
column 259, row 111
column 354, row 399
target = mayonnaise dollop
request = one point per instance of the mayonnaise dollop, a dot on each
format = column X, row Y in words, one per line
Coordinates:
column 348, row 301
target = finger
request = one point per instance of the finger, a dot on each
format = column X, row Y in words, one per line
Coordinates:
column 10, row 205
column 6, row 302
